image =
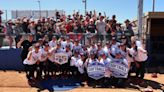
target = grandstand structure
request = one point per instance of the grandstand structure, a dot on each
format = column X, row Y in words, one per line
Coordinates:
column 35, row 14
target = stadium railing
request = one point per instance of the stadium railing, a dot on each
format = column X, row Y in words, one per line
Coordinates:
column 84, row 38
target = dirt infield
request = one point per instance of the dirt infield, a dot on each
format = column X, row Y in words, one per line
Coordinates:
column 12, row 81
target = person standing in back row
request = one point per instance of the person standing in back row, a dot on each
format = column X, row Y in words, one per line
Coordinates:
column 25, row 44
column 101, row 29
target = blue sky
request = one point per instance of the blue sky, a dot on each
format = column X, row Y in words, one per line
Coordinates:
column 123, row 9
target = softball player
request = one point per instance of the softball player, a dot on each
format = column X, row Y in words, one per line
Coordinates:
column 31, row 61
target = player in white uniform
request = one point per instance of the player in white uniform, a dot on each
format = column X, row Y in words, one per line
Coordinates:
column 44, row 62
column 99, row 49
column 93, row 47
column 73, row 62
column 77, row 46
column 106, row 61
column 85, row 51
column 140, row 58
column 120, row 59
column 131, row 55
column 80, row 66
column 31, row 61
column 66, row 67
column 55, row 67
column 114, row 47
column 107, row 49
column 92, row 60
column 63, row 42
column 69, row 42
column 125, row 53
column 52, row 43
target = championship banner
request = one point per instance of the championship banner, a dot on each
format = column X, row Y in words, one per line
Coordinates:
column 96, row 71
column 119, row 70
column 60, row 58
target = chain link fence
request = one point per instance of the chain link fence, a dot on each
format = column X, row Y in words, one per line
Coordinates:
column 84, row 38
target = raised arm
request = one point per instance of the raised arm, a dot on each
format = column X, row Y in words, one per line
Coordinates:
column 20, row 42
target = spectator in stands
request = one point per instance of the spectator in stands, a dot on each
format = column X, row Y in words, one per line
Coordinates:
column 91, row 28
column 77, row 23
column 129, row 27
column 31, row 27
column 114, row 21
column 69, row 26
column 18, row 30
column 101, row 29
column 57, row 15
column 25, row 25
column 9, row 32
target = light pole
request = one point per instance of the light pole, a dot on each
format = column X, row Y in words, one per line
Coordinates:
column 153, row 5
column 85, row 5
column 39, row 8
column 140, row 14
column 6, row 14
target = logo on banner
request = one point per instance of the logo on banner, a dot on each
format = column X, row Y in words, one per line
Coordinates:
column 119, row 70
column 60, row 58
column 96, row 71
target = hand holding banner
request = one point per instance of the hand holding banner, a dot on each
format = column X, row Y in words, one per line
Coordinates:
column 118, row 69
column 96, row 71
column 60, row 58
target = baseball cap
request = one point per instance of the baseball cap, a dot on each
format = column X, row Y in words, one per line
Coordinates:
column 68, row 45
column 82, row 54
column 76, row 51
column 118, row 51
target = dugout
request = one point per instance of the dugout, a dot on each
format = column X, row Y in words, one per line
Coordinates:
column 155, row 38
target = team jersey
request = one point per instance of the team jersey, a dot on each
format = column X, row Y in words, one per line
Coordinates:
column 131, row 52
column 71, row 45
column 52, row 44
column 33, row 59
column 123, row 53
column 99, row 52
column 107, row 51
column 78, row 47
column 69, row 53
column 80, row 66
column 54, row 50
column 74, row 60
column 141, row 55
column 92, row 48
column 114, row 48
column 107, row 61
column 63, row 44
column 44, row 55
column 107, row 70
